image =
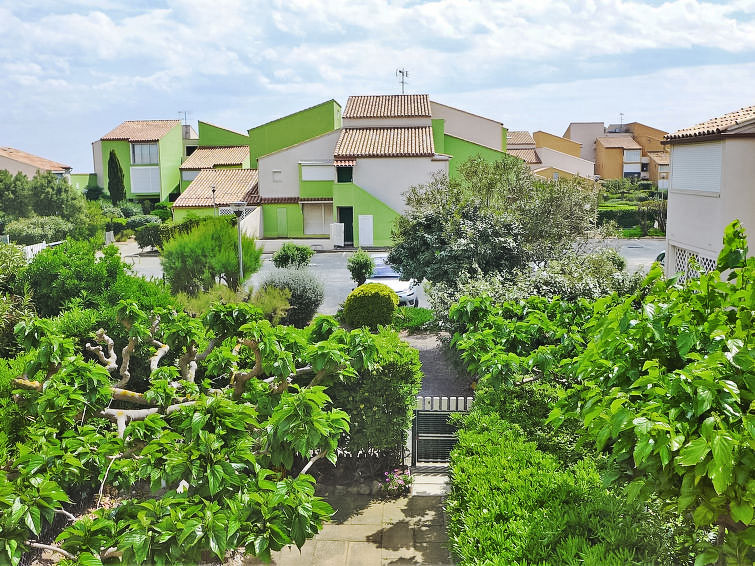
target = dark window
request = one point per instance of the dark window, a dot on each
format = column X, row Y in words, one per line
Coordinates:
column 345, row 174
column 190, row 149
column 644, row 167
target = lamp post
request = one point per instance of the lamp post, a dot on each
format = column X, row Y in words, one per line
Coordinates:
column 214, row 206
column 238, row 209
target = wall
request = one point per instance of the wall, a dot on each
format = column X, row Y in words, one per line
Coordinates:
column 467, row 126
column 123, row 153
column 387, row 178
column 210, row 135
column 609, row 162
column 294, row 220
column 439, row 126
column 461, row 150
column 13, row 167
column 251, row 225
column 696, row 220
column 293, row 129
column 171, row 154
column 287, row 162
column 383, row 217
column 569, row 163
column 649, row 138
column 586, row 133
column 98, row 163
column 83, row 181
column 550, row 173
column 569, row 147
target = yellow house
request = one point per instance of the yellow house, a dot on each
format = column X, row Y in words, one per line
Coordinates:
column 617, row 157
column 659, row 168
column 557, row 143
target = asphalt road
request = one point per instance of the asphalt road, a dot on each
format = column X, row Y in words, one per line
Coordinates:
column 330, row 267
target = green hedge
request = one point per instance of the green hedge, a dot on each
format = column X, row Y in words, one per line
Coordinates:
column 370, row 305
column 38, row 229
column 513, row 504
column 625, row 217
column 380, row 401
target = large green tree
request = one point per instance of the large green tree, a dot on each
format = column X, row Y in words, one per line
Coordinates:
column 493, row 217
column 115, row 184
column 54, row 196
column 14, row 195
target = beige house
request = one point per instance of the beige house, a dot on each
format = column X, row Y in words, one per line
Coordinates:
column 617, row 157
column 17, row 161
column 712, row 183
column 659, row 168
column 549, row 156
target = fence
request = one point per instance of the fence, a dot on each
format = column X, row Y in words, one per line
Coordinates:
column 34, row 249
column 433, row 435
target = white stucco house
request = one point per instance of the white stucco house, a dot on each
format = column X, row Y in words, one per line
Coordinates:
column 16, row 161
column 712, row 183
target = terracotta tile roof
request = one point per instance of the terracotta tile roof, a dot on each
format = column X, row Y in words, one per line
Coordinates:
column 278, row 200
column 208, row 157
column 231, row 185
column 715, row 125
column 385, row 142
column 141, row 130
column 529, row 155
column 345, row 162
column 315, row 199
column 388, row 106
column 619, row 141
column 519, row 138
column 660, row 157
column 33, row 160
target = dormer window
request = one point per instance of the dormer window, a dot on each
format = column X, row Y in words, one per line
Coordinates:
column 144, row 154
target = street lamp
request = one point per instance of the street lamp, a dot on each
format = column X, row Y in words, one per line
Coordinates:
column 214, row 206
column 238, row 209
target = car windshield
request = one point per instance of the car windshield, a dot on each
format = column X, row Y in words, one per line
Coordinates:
column 384, row 270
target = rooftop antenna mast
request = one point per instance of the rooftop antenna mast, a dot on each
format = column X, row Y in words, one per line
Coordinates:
column 185, row 113
column 403, row 73
column 621, row 121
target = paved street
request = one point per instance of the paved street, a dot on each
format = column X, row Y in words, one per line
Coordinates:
column 330, row 267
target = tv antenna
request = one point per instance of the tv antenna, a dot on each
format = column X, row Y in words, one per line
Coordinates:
column 403, row 73
column 621, row 120
column 185, row 113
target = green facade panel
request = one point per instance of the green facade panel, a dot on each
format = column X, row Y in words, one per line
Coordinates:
column 282, row 221
column 213, row 136
column 171, row 153
column 294, row 128
column 461, row 150
column 316, row 189
column 180, row 214
column 83, row 181
column 383, row 217
column 439, row 126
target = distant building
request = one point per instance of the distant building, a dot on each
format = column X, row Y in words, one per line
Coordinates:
column 17, row 161
column 711, row 185
column 549, row 156
column 585, row 133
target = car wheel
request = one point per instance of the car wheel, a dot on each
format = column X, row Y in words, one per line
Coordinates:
column 415, row 304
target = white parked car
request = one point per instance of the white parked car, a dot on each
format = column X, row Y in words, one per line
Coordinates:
column 385, row 274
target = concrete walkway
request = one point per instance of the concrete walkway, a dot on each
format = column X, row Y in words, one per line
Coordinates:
column 372, row 532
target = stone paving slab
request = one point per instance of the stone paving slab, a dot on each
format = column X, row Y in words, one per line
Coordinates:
column 372, row 532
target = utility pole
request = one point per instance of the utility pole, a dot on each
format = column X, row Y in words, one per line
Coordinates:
column 403, row 73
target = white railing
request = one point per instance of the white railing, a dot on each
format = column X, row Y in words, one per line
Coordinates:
column 444, row 404
column 34, row 249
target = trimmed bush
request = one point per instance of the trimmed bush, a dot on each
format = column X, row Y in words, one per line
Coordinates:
column 293, row 256
column 380, row 401
column 37, row 229
column 129, row 209
column 370, row 305
column 162, row 211
column 307, row 294
column 361, row 265
column 626, row 216
column 116, row 225
column 139, row 220
column 149, row 235
column 513, row 504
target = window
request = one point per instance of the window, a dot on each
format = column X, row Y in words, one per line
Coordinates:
column 189, row 175
column 277, row 176
column 632, row 155
column 144, row 154
column 190, row 149
column 145, row 180
column 345, row 174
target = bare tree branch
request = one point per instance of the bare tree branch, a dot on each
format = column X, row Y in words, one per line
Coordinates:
column 210, row 347
column 65, row 513
column 239, row 379
column 312, row 460
column 123, row 416
column 104, row 479
column 186, row 363
column 51, row 549
column 111, row 360
column 125, row 359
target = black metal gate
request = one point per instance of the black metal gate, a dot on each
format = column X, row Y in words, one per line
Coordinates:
column 433, row 435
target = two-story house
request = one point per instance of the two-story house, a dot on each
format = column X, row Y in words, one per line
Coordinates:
column 712, row 184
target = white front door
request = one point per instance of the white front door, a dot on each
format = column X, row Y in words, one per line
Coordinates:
column 366, row 236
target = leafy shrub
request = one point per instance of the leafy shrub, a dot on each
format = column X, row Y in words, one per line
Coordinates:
column 510, row 503
column 199, row 304
column 12, row 261
column 13, row 309
column 292, row 255
column 414, row 319
column 195, row 261
column 169, row 230
column 625, row 216
column 370, row 305
column 51, row 196
column 139, row 220
column 273, row 302
column 124, row 235
column 380, row 399
column 94, row 193
column 12, row 419
column 37, row 229
column 307, row 293
column 163, row 211
column 361, row 266
column 116, row 225
column 149, row 235
column 129, row 209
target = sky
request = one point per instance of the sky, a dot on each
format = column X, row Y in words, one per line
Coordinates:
column 70, row 71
